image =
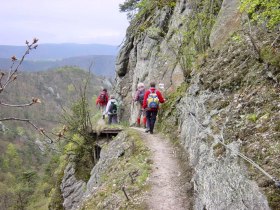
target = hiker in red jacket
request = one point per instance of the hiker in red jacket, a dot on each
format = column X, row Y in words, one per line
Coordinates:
column 102, row 101
column 151, row 101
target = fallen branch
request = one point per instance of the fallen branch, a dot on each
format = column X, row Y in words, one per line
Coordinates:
column 123, row 189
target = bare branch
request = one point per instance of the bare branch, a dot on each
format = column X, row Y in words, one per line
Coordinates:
column 123, row 189
column 13, row 70
column 41, row 130
column 34, row 101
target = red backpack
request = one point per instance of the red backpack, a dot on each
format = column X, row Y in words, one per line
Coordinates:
column 102, row 97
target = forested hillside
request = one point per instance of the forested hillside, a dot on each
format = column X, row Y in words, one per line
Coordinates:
column 24, row 151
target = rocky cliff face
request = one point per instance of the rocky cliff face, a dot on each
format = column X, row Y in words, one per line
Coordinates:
column 151, row 55
column 71, row 188
column 75, row 191
column 122, row 166
column 231, row 102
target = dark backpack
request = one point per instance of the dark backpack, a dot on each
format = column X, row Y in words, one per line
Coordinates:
column 141, row 96
column 152, row 100
column 113, row 108
column 102, row 97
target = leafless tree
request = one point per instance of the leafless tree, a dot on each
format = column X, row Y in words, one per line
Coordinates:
column 7, row 78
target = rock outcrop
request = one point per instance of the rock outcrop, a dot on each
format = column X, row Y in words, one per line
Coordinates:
column 71, row 188
column 77, row 193
column 228, row 21
column 151, row 56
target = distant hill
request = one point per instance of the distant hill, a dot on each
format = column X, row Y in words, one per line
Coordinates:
column 50, row 56
column 102, row 64
column 58, row 51
column 55, row 88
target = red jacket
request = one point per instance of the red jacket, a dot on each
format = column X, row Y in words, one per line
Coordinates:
column 102, row 103
column 159, row 95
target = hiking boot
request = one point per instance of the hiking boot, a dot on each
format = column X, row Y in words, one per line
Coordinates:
column 151, row 132
column 147, row 130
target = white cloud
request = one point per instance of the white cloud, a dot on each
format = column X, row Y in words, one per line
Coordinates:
column 57, row 21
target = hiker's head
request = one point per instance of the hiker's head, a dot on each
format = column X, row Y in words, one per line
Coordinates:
column 104, row 89
column 153, row 84
column 112, row 97
column 140, row 85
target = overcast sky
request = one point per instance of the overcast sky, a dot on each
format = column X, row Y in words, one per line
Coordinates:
column 62, row 21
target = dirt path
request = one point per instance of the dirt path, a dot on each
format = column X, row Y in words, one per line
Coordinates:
column 169, row 184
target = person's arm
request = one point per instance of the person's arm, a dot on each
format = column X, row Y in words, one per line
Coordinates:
column 107, row 98
column 97, row 101
column 107, row 107
column 160, row 97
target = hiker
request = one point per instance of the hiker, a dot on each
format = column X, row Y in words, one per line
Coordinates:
column 112, row 110
column 102, row 101
column 139, row 98
column 151, row 101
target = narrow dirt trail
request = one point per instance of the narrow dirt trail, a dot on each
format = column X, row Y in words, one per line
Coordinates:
column 169, row 186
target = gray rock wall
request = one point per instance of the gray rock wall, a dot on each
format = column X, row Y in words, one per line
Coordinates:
column 228, row 21
column 76, row 192
column 151, row 56
column 220, row 180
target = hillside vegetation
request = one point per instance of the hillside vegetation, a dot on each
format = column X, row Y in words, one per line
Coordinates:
column 24, row 152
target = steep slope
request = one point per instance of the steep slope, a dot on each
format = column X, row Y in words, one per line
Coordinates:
column 117, row 181
column 24, row 152
column 223, row 99
column 57, row 89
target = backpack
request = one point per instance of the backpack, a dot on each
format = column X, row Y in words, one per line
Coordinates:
column 152, row 100
column 141, row 96
column 102, row 97
column 113, row 108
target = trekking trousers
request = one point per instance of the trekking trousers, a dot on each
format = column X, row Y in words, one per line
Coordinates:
column 151, row 119
column 112, row 119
